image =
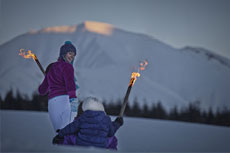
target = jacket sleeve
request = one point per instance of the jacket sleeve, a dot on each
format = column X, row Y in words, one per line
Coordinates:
column 114, row 126
column 69, row 80
column 70, row 128
column 43, row 88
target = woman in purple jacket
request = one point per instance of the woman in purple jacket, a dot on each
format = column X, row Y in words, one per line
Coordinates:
column 60, row 85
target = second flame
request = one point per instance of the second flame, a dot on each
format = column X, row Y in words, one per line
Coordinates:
column 134, row 75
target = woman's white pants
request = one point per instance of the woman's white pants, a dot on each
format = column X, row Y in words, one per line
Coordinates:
column 60, row 111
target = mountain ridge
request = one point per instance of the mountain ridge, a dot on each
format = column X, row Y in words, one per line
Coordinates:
column 104, row 64
column 209, row 54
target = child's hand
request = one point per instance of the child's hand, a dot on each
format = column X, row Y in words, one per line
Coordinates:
column 119, row 120
column 57, row 139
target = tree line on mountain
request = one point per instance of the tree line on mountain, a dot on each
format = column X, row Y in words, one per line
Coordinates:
column 191, row 113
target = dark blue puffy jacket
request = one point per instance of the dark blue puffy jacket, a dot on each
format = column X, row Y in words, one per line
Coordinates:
column 92, row 128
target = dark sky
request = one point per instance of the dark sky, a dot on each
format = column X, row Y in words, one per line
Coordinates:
column 179, row 23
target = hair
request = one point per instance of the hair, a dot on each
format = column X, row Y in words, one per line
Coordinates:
column 92, row 103
column 79, row 111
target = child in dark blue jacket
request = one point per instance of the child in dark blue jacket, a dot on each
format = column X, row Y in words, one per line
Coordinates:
column 93, row 127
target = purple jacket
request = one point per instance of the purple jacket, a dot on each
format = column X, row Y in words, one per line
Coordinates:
column 92, row 128
column 59, row 80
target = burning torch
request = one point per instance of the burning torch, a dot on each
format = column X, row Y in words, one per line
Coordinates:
column 131, row 83
column 31, row 55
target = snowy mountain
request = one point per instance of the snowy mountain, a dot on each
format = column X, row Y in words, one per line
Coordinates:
column 136, row 135
column 106, row 58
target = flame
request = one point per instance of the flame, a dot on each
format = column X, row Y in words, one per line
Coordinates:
column 28, row 55
column 134, row 75
column 134, row 78
column 143, row 65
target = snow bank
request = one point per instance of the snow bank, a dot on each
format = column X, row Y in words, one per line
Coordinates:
column 25, row 131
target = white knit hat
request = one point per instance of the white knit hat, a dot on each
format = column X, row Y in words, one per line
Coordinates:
column 92, row 103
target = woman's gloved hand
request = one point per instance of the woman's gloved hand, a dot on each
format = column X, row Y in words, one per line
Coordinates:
column 74, row 104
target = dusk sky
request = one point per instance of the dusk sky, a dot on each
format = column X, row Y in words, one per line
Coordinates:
column 179, row 23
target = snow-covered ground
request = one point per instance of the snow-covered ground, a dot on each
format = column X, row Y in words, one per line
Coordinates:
column 25, row 131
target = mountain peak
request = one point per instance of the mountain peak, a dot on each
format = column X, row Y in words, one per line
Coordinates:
column 98, row 27
column 91, row 26
column 58, row 29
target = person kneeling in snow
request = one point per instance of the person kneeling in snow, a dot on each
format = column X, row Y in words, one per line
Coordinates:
column 92, row 128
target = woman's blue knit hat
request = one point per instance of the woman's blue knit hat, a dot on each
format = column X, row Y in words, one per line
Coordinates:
column 67, row 47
